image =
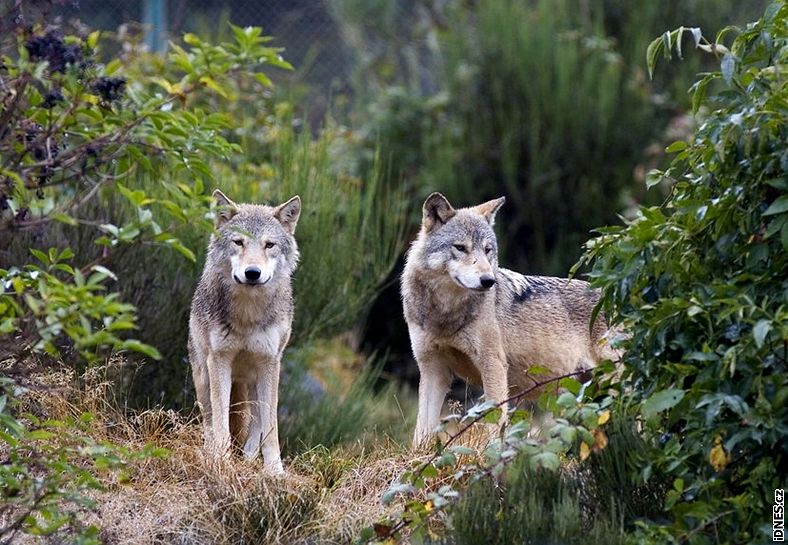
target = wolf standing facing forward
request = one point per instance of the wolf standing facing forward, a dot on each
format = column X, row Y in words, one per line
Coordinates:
column 239, row 325
column 487, row 325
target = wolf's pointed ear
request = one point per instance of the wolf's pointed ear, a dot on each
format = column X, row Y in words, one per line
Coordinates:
column 490, row 208
column 226, row 208
column 288, row 213
column 436, row 211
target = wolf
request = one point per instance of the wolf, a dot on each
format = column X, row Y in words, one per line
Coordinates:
column 240, row 322
column 485, row 324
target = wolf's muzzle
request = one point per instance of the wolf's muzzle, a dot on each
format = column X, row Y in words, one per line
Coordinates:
column 487, row 281
column 252, row 274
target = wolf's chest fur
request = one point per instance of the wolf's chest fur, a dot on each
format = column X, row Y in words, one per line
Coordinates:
column 441, row 308
column 256, row 322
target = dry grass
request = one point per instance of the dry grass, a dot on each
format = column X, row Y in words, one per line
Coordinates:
column 188, row 497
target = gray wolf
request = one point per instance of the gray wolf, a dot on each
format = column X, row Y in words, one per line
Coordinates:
column 485, row 324
column 240, row 323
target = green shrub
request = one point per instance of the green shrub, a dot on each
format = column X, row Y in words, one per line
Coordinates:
column 532, row 507
column 76, row 136
column 700, row 283
column 49, row 470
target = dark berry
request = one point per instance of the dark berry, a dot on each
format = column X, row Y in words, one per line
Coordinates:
column 53, row 97
column 109, row 88
column 53, row 49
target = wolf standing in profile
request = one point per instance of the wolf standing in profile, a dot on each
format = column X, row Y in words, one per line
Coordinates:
column 486, row 324
column 240, row 323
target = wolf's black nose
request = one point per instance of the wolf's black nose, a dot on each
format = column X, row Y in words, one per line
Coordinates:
column 487, row 282
column 252, row 273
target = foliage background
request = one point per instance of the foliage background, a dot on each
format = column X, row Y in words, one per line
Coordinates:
column 547, row 102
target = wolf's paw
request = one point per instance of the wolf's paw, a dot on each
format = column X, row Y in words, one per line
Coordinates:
column 218, row 449
column 275, row 468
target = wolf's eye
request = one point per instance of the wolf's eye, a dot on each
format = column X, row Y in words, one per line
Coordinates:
column 487, row 249
column 269, row 245
column 238, row 242
column 461, row 248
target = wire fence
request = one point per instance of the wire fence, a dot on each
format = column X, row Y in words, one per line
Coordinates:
column 308, row 29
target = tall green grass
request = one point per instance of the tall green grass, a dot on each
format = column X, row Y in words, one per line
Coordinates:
column 367, row 411
column 596, row 501
column 350, row 233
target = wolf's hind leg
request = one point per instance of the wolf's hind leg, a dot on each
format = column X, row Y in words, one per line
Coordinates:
column 239, row 413
column 252, row 445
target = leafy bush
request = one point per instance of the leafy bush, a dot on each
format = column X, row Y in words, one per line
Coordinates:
column 700, row 283
column 49, row 469
column 76, row 130
column 455, row 482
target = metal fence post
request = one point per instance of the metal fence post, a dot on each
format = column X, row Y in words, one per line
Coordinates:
column 155, row 20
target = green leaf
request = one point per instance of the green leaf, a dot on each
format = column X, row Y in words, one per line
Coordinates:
column 666, row 40
column 760, row 330
column 538, row 370
column 395, row 490
column 546, row 460
column 191, row 39
column 654, row 177
column 93, row 39
column 263, row 79
column 41, row 256
column 40, row 435
column 104, row 272
column 779, row 206
column 699, row 92
column 661, row 401
column 142, row 348
column 652, row 52
column 461, row 450
column 572, row 384
column 696, row 34
column 727, row 67
column 678, row 145
column 784, row 236
column 181, row 249
column 566, row 400
column 211, row 84
column 429, row 471
column 446, row 459
column 493, row 416
column 63, row 218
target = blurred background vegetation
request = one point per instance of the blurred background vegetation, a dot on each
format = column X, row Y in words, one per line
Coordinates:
column 546, row 102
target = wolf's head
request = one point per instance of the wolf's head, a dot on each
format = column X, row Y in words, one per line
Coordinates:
column 254, row 243
column 460, row 242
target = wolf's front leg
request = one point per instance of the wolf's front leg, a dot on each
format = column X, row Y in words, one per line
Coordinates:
column 202, row 386
column 492, row 364
column 220, row 377
column 267, row 403
column 434, row 384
